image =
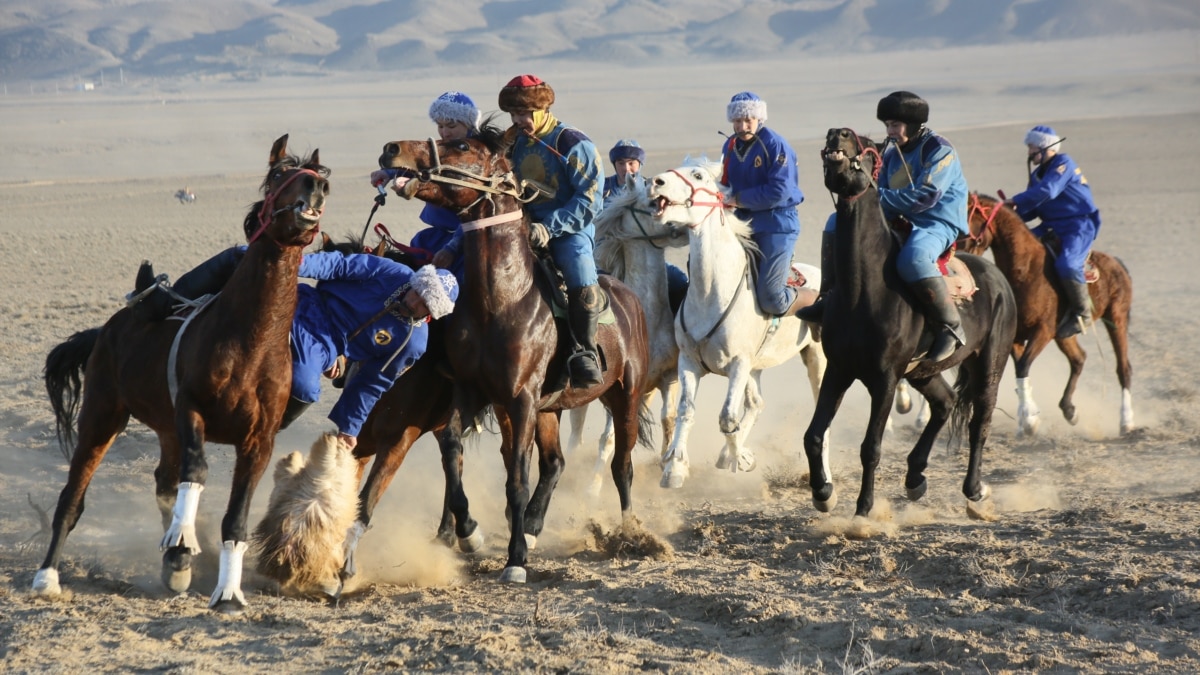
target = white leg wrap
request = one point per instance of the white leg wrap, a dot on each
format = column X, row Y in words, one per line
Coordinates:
column 350, row 547
column 1126, row 411
column 183, row 519
column 1027, row 409
column 229, row 579
column 45, row 582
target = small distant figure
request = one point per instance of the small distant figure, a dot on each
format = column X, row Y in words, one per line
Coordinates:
column 185, row 196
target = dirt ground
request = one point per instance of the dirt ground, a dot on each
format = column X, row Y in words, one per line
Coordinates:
column 1093, row 564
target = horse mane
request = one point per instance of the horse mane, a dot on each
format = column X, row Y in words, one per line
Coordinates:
column 611, row 236
column 289, row 162
column 493, row 136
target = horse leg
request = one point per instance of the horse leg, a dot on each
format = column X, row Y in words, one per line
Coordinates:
column 470, row 539
column 624, row 409
column 383, row 470
column 733, row 457
column 179, row 543
column 178, row 577
column 521, row 413
column 252, row 458
column 575, row 438
column 1023, row 354
column 675, row 463
column 983, row 383
column 903, row 398
column 1117, row 324
column 939, row 398
column 100, row 420
column 813, row 356
column 604, row 454
column 550, row 468
column 752, row 407
column 883, row 393
column 820, row 478
column 670, row 408
column 1075, row 357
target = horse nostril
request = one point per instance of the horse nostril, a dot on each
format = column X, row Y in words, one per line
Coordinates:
column 659, row 182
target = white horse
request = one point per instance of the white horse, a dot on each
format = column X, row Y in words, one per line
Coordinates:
column 631, row 246
column 720, row 328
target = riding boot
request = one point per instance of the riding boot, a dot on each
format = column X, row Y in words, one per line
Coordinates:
column 583, row 312
column 816, row 312
column 1079, row 309
column 295, row 408
column 206, row 278
column 942, row 314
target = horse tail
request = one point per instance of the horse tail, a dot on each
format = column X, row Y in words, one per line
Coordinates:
column 646, row 427
column 63, row 376
column 960, row 414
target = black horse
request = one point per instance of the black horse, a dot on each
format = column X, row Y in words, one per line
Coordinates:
column 872, row 330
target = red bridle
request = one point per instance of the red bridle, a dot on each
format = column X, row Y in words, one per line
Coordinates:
column 691, row 200
column 268, row 211
column 989, row 217
column 856, row 163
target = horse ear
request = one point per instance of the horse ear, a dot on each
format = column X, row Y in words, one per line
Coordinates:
column 326, row 243
column 278, row 151
column 315, row 160
column 380, row 248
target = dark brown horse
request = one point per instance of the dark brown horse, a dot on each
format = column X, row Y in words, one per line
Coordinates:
column 872, row 331
column 221, row 376
column 503, row 341
column 1024, row 261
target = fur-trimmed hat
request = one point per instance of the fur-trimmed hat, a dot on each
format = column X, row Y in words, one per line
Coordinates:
column 745, row 105
column 627, row 149
column 438, row 288
column 903, row 106
column 455, row 106
column 526, row 92
column 1042, row 136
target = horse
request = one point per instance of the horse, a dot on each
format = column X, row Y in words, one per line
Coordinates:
column 503, row 341
column 223, row 375
column 1030, row 270
column 719, row 328
column 631, row 246
column 185, row 196
column 873, row 332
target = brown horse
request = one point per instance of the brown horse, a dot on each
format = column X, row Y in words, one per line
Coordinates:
column 504, row 343
column 1030, row 270
column 223, row 376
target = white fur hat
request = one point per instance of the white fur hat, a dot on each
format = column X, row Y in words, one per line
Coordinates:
column 1042, row 136
column 438, row 288
column 456, row 107
column 745, row 105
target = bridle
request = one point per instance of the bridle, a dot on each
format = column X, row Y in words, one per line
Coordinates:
column 856, row 162
column 974, row 205
column 267, row 213
column 692, row 201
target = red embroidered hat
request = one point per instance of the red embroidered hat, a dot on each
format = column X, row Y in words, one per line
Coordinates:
column 526, row 92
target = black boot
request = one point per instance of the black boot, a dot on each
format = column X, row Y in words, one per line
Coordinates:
column 816, row 312
column 583, row 311
column 208, row 277
column 1079, row 309
column 942, row 315
column 295, row 408
column 148, row 299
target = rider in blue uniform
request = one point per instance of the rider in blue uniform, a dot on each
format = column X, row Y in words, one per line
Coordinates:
column 1059, row 194
column 564, row 164
column 764, row 186
column 627, row 158
column 922, row 181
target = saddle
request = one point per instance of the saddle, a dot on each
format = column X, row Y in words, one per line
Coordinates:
column 796, row 279
column 959, row 280
column 1091, row 273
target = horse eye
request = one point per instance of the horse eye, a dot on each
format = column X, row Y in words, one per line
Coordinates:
column 461, row 146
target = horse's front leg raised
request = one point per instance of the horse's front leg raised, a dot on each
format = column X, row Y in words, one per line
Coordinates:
column 550, row 468
column 736, row 456
column 1076, row 358
column 829, row 399
column 815, row 363
column 675, row 462
column 253, row 456
column 517, row 454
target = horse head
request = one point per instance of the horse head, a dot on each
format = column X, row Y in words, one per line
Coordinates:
column 630, row 217
column 687, row 195
column 981, row 216
column 294, row 192
column 851, row 162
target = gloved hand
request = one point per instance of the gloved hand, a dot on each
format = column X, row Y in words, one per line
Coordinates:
column 539, row 235
column 380, row 177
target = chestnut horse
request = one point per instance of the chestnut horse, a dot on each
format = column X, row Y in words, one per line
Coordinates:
column 223, row 375
column 503, row 341
column 872, row 331
column 1024, row 261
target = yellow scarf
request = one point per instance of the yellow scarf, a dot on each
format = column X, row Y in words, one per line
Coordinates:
column 544, row 122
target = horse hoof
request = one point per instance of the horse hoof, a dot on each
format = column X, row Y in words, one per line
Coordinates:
column 903, row 403
column 671, row 481
column 982, row 508
column 915, row 493
column 593, row 491
column 530, row 541
column 231, row 607
column 1072, row 417
column 747, row 462
column 825, row 505
column 472, row 542
column 45, row 582
column 513, row 575
column 723, row 461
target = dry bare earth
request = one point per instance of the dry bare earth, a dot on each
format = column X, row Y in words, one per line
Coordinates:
column 1092, row 565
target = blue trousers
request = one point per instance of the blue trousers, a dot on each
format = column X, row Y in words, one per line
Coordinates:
column 774, row 297
column 1076, row 236
column 918, row 258
column 312, row 351
column 572, row 253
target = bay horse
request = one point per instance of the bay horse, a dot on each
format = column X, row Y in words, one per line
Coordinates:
column 222, row 376
column 1030, row 270
column 719, row 328
column 503, row 342
column 631, row 245
column 872, row 330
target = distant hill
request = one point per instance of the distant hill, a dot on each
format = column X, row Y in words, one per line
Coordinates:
column 49, row 39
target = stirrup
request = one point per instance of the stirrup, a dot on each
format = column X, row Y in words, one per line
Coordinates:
column 584, row 368
column 1071, row 325
column 134, row 297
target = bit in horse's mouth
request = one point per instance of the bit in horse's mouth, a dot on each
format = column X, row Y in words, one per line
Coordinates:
column 307, row 213
column 660, row 205
column 835, row 156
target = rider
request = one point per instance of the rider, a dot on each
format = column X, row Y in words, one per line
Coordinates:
column 1060, row 196
column 369, row 308
column 564, row 164
column 457, row 118
column 627, row 158
column 763, row 179
column 921, row 180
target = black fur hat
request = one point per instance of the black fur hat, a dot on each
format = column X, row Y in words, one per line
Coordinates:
column 903, row 106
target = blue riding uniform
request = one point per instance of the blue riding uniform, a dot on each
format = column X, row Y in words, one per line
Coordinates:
column 925, row 184
column 763, row 177
column 1059, row 194
column 352, row 290
column 444, row 233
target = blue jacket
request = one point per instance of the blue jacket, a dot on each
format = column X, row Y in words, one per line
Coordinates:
column 566, row 162
column 763, row 177
column 1057, row 191
column 351, row 290
column 444, row 231
column 925, row 184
